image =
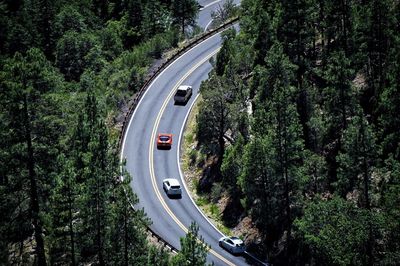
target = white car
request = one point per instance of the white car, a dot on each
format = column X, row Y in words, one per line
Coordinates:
column 172, row 187
column 233, row 244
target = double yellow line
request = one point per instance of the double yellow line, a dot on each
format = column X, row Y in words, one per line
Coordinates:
column 151, row 154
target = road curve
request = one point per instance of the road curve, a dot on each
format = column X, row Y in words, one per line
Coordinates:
column 148, row 166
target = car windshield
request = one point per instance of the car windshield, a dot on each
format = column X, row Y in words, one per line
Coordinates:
column 181, row 92
column 164, row 138
column 175, row 187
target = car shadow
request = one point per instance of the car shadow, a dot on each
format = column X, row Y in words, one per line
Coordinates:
column 180, row 103
column 163, row 147
column 176, row 197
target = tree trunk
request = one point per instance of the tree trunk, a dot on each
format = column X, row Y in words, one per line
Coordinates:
column 71, row 229
column 33, row 189
column 183, row 27
column 370, row 241
column 126, row 233
column 99, row 231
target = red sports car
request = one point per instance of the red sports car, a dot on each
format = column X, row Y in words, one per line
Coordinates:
column 164, row 140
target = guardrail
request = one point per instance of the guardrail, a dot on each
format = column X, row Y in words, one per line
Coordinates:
column 153, row 75
column 147, row 83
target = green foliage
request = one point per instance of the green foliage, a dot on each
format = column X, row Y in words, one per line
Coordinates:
column 389, row 201
column 214, row 120
column 232, row 165
column 319, row 81
column 389, row 105
column 336, row 231
column 69, row 19
column 357, row 159
column 71, row 51
column 193, row 249
column 61, row 196
column 260, row 186
column 111, row 39
column 64, row 208
column 226, row 50
column 128, row 244
column 29, row 144
column 184, row 13
column 157, row 256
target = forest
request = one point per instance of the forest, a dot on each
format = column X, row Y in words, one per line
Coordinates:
column 68, row 70
column 300, row 120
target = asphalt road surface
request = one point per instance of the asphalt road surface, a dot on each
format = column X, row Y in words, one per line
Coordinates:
column 148, row 166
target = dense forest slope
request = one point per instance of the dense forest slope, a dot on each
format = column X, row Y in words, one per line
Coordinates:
column 301, row 119
column 67, row 71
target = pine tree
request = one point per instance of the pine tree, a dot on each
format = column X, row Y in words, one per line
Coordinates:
column 338, row 105
column 276, row 120
column 263, row 188
column 335, row 231
column 64, row 209
column 184, row 13
column 128, row 245
column 389, row 199
column 389, row 105
column 357, row 159
column 193, row 249
column 215, row 117
column 31, row 119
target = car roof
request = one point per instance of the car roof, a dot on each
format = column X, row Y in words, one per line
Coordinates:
column 172, row 181
column 183, row 87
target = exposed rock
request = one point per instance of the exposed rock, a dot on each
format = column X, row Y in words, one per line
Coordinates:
column 232, row 211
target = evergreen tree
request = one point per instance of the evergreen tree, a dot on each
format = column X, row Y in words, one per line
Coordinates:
column 134, row 18
column 71, row 51
column 338, row 104
column 98, row 175
column 215, row 118
column 278, row 123
column 128, row 245
column 263, row 189
column 388, row 201
column 335, row 231
column 157, row 256
column 389, row 105
column 193, row 249
column 156, row 18
column 29, row 121
column 357, row 159
column 64, row 209
column 184, row 13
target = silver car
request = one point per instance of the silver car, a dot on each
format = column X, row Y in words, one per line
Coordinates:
column 233, row 244
column 183, row 94
column 172, row 187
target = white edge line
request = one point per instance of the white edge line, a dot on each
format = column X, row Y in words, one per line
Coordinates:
column 179, row 166
column 180, row 134
column 148, row 88
column 210, row 4
column 208, row 25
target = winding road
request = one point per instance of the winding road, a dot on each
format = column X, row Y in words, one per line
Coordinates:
column 148, row 166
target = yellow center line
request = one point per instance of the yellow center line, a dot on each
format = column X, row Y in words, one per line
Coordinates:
column 151, row 154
